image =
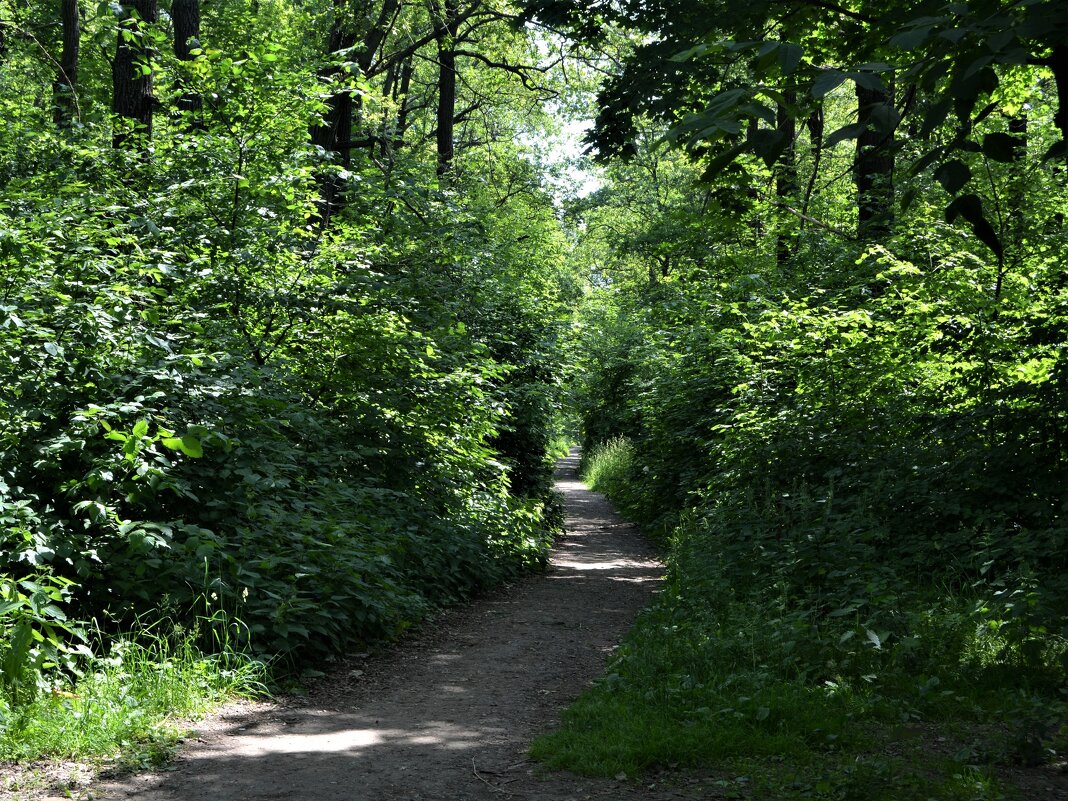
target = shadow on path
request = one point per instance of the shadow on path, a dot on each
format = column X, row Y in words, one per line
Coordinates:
column 450, row 713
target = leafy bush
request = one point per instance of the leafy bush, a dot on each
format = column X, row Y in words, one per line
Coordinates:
column 35, row 636
column 861, row 494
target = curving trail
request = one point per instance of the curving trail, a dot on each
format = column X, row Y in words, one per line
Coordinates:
column 449, row 714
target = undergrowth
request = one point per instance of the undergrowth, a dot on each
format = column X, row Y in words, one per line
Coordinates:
column 126, row 705
column 805, row 661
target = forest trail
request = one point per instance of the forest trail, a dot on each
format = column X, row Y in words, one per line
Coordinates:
column 450, row 713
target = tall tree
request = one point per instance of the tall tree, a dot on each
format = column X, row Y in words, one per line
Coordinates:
column 334, row 132
column 131, row 71
column 786, row 172
column 186, row 17
column 446, row 19
column 64, row 90
column 873, row 163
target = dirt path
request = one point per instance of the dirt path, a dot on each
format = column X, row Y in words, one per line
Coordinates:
column 447, row 716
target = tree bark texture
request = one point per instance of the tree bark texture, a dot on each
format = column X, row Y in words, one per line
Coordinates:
column 186, row 17
column 445, row 30
column 131, row 75
column 873, row 167
column 65, row 88
column 786, row 172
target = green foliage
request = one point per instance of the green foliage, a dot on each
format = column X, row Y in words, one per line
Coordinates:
column 219, row 402
column 35, row 635
column 607, row 466
column 125, row 702
column 854, row 456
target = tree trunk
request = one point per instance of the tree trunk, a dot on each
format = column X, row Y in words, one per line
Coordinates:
column 786, row 174
column 334, row 134
column 64, row 90
column 130, row 72
column 336, row 126
column 186, row 16
column 815, row 125
column 873, row 168
column 402, row 95
column 1018, row 187
column 1058, row 63
column 393, row 131
column 445, row 29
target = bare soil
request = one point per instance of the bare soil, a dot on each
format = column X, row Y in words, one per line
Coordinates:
column 450, row 713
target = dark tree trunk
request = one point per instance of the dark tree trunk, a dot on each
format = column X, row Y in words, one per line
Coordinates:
column 335, row 129
column 132, row 89
column 873, row 167
column 334, row 134
column 445, row 29
column 786, row 174
column 64, row 90
column 1058, row 63
column 815, row 127
column 1018, row 186
column 186, row 16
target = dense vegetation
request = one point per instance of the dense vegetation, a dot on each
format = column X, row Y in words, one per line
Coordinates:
column 277, row 351
column 823, row 357
column 287, row 292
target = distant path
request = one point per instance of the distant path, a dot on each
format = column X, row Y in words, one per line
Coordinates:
column 467, row 694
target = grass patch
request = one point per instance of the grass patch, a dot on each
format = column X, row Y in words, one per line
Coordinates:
column 560, row 446
column 125, row 706
column 606, row 466
column 812, row 668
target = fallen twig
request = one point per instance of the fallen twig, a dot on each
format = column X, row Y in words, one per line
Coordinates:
column 488, row 783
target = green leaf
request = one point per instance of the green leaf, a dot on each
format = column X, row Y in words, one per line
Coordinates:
column 934, row 117
column 790, row 56
column 970, row 207
column 723, row 160
column 885, row 118
column 953, row 175
column 925, row 161
column 693, row 52
column 846, row 132
column 1059, row 150
column 868, row 80
column 826, row 82
column 1002, row 147
column 769, row 144
column 910, row 40
column 191, row 446
column 140, row 429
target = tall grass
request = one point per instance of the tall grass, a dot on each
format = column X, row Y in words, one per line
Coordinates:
column 560, row 446
column 871, row 684
column 126, row 705
column 606, row 467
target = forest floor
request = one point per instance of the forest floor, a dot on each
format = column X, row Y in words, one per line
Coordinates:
column 448, row 715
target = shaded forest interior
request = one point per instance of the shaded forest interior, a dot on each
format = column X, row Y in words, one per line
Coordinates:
column 298, row 302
